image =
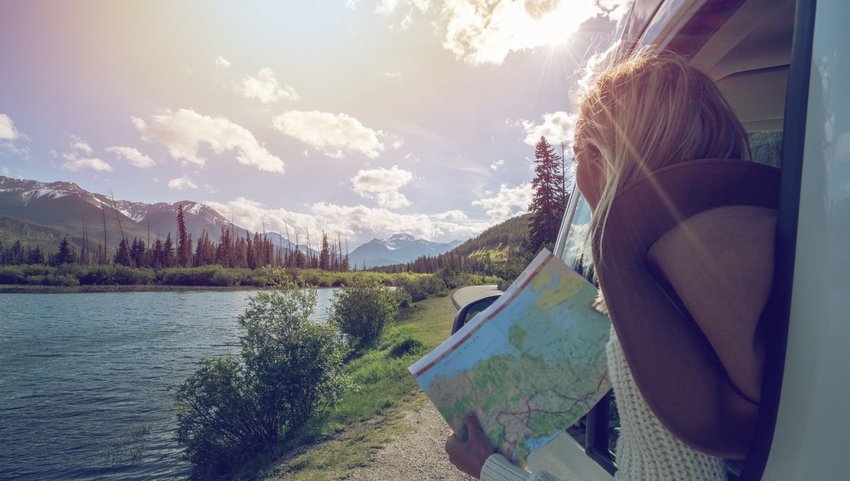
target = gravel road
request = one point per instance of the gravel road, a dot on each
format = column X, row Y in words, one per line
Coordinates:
column 417, row 455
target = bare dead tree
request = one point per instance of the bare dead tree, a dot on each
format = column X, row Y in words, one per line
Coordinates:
column 84, row 255
column 102, row 255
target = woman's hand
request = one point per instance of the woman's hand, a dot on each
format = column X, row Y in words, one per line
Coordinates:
column 469, row 456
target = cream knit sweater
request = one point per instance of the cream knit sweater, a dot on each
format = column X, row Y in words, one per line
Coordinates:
column 646, row 450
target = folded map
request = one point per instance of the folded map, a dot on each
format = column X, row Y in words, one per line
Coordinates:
column 530, row 365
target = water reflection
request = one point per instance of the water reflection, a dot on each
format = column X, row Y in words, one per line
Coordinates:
column 84, row 378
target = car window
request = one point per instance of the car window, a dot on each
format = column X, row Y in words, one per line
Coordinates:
column 576, row 249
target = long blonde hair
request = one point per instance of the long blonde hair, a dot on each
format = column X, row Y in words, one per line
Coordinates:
column 648, row 111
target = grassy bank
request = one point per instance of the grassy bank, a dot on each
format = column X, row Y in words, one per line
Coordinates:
column 369, row 417
column 110, row 278
column 28, row 289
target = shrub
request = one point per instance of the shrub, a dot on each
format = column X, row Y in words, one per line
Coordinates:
column 132, row 276
column 37, row 270
column 403, row 298
column 60, row 280
column 408, row 346
column 362, row 309
column 96, row 275
column 421, row 286
column 12, row 275
column 225, row 277
column 289, row 368
column 36, row 280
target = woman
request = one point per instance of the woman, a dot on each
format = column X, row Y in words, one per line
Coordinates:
column 683, row 249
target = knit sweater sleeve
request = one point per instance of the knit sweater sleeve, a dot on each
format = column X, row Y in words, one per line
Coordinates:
column 646, row 449
column 498, row 468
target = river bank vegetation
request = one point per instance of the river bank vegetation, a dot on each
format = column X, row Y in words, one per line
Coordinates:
column 296, row 381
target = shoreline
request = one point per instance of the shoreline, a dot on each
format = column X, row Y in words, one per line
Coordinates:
column 28, row 289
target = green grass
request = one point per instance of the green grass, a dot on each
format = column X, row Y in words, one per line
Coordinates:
column 370, row 416
column 99, row 278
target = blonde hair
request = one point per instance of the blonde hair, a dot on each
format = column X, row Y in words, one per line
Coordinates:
column 648, row 111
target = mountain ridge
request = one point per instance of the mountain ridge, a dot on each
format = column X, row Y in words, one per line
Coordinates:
column 397, row 249
column 63, row 208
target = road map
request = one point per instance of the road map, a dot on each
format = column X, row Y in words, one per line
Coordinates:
column 530, row 365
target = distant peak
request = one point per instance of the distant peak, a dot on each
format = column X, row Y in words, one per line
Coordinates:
column 402, row 237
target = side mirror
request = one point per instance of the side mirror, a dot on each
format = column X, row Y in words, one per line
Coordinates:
column 467, row 312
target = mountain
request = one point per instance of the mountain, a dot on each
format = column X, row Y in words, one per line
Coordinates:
column 500, row 242
column 41, row 212
column 398, row 249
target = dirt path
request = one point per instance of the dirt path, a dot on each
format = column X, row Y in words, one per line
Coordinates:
column 417, row 455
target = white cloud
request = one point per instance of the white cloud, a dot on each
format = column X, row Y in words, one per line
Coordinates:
column 495, row 165
column 388, row 7
column 133, row 156
column 484, row 31
column 185, row 130
column 7, row 128
column 332, row 134
column 364, row 223
column 81, row 157
column 392, row 200
column 79, row 163
column 451, row 216
column 5, row 171
column 406, row 22
column 383, row 185
column 77, row 143
column 182, row 183
column 9, row 135
column 592, row 67
column 351, row 4
column 557, row 127
column 380, row 180
column 221, row 62
column 507, row 203
column 354, row 223
column 264, row 87
column 392, row 74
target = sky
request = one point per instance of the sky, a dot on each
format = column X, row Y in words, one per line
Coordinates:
column 361, row 118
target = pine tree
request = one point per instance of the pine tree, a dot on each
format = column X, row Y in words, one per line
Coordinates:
column 35, row 256
column 184, row 245
column 168, row 259
column 157, row 257
column 137, row 252
column 325, row 255
column 122, row 255
column 64, row 256
column 548, row 204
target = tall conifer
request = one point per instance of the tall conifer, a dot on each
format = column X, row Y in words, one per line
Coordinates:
column 184, row 245
column 548, row 204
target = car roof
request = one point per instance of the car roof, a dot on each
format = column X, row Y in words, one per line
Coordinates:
column 743, row 45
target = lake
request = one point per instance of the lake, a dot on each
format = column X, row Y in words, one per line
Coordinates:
column 85, row 378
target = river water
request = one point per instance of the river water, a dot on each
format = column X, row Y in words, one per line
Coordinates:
column 85, row 378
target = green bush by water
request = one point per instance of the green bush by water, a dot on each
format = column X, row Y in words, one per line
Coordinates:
column 289, row 368
column 362, row 309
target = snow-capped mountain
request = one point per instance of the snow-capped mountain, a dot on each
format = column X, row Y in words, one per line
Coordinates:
column 67, row 209
column 65, row 206
column 397, row 249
